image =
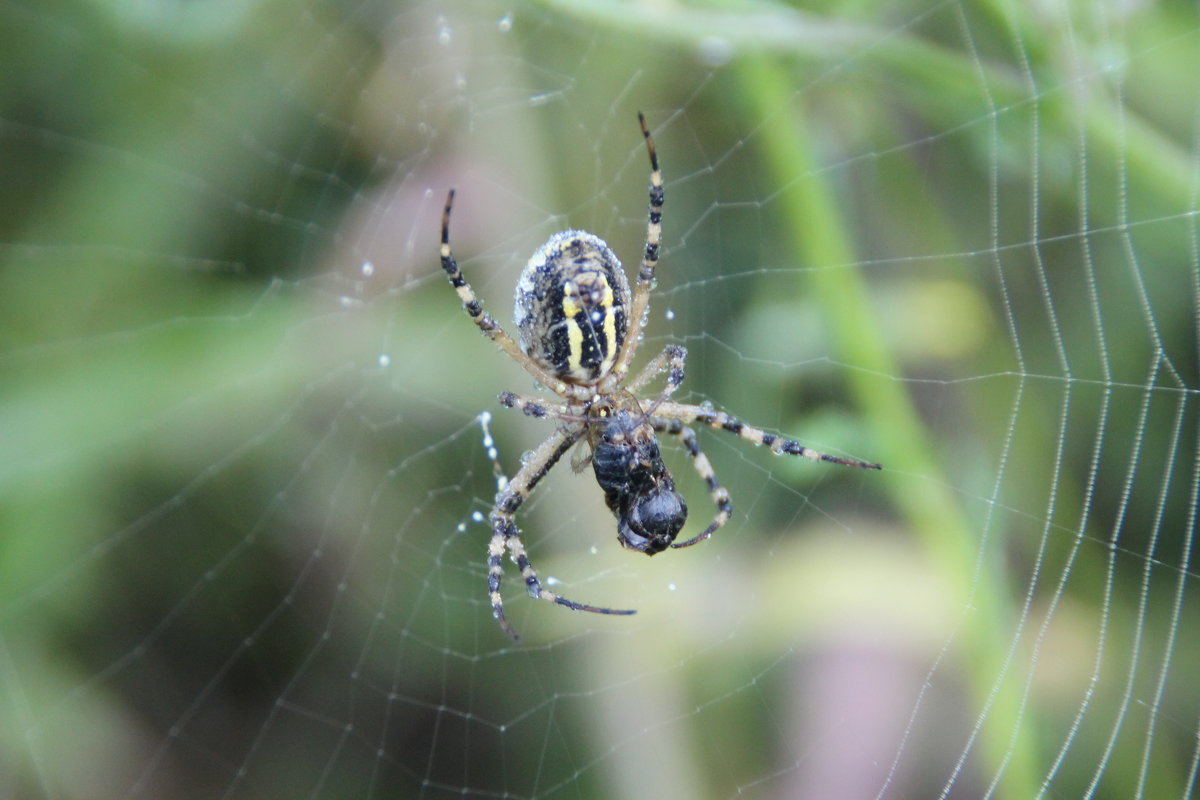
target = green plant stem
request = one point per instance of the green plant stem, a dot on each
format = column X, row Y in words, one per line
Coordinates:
column 913, row 477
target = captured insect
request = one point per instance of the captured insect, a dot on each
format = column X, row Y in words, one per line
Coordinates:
column 578, row 329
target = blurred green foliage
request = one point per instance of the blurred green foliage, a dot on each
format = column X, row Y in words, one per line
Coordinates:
column 237, row 399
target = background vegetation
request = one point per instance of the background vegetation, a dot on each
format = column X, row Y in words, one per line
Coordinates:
column 238, row 402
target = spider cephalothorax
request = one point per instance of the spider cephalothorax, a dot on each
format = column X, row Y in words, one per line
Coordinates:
column 579, row 327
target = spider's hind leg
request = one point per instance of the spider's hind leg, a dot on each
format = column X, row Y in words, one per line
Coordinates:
column 645, row 278
column 486, row 323
column 673, row 359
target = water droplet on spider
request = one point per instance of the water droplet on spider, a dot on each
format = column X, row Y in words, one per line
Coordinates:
column 526, row 457
column 707, row 405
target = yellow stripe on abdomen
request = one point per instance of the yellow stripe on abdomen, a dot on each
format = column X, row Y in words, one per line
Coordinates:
column 571, row 310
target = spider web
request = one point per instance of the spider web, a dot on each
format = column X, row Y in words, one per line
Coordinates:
column 245, row 480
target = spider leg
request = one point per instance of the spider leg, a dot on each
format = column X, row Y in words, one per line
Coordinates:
column 719, row 420
column 645, row 279
column 672, row 358
column 485, row 321
column 506, row 537
column 718, row 493
column 534, row 406
column 538, row 408
column 495, row 561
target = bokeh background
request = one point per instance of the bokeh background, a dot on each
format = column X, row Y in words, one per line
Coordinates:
column 242, row 470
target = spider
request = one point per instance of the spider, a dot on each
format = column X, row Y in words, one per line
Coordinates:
column 579, row 328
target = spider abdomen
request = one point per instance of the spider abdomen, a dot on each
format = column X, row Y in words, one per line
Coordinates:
column 570, row 307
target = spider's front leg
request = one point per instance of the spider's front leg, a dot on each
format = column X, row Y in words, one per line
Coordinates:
column 673, row 418
column 502, row 530
column 703, row 467
column 505, row 535
column 778, row 445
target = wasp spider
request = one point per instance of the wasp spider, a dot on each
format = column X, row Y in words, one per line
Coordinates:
column 578, row 329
